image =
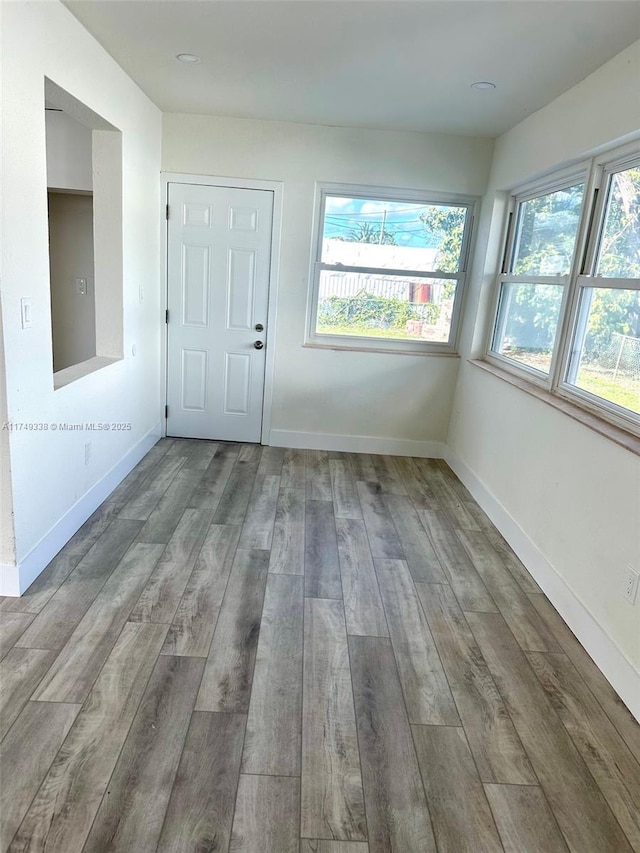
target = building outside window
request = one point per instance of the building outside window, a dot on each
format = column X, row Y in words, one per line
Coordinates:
column 389, row 269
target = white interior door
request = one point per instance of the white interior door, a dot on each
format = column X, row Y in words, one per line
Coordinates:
column 219, row 253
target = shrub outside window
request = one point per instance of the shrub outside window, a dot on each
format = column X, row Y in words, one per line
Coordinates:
column 389, row 269
column 568, row 305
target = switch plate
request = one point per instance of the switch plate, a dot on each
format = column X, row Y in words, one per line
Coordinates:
column 81, row 286
column 26, row 312
column 631, row 585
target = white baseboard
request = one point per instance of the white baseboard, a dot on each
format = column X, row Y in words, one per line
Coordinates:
column 14, row 580
column 605, row 652
column 357, row 444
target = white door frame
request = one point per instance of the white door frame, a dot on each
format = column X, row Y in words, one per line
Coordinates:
column 276, row 187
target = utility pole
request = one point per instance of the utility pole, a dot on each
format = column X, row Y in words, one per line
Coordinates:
column 384, row 222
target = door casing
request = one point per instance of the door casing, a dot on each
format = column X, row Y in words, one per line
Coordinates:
column 274, row 269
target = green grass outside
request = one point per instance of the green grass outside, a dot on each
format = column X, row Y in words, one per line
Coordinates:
column 360, row 332
column 624, row 390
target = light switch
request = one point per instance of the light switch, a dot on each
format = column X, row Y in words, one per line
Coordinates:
column 81, row 286
column 25, row 312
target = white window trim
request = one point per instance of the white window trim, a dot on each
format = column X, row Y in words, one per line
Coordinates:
column 596, row 173
column 372, row 343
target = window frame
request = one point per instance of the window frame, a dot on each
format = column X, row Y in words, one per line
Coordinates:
column 598, row 173
column 380, row 344
column 560, row 180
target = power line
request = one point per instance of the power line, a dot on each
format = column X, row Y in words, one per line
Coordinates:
column 330, row 218
column 393, row 211
column 378, row 213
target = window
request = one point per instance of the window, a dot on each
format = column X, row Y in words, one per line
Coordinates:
column 389, row 269
column 568, row 299
column 537, row 274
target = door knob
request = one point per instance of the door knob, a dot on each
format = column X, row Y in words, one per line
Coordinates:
column 258, row 344
column 259, row 327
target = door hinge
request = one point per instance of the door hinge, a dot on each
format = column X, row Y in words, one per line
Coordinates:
column 166, row 411
column 166, row 211
column 166, row 316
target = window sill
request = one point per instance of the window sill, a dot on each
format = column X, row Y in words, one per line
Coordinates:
column 614, row 433
column 77, row 371
column 399, row 350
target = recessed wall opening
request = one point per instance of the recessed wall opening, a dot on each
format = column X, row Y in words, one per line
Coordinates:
column 84, row 194
column 71, row 270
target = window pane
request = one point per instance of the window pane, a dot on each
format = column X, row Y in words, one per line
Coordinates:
column 392, row 234
column 527, row 323
column 607, row 362
column 620, row 246
column 546, row 232
column 379, row 306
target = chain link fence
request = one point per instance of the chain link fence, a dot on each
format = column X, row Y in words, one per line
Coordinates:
column 613, row 371
column 621, row 358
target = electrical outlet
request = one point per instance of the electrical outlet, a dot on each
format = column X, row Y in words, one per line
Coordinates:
column 87, row 453
column 631, row 585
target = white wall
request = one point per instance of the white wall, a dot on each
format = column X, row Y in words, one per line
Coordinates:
column 403, row 397
column 573, row 494
column 53, row 490
column 7, row 537
column 69, row 154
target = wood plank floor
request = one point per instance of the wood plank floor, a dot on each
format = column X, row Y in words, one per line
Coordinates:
column 258, row 650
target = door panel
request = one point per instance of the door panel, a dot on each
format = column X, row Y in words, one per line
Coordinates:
column 194, row 380
column 240, row 289
column 219, row 254
column 195, row 285
column 237, row 383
